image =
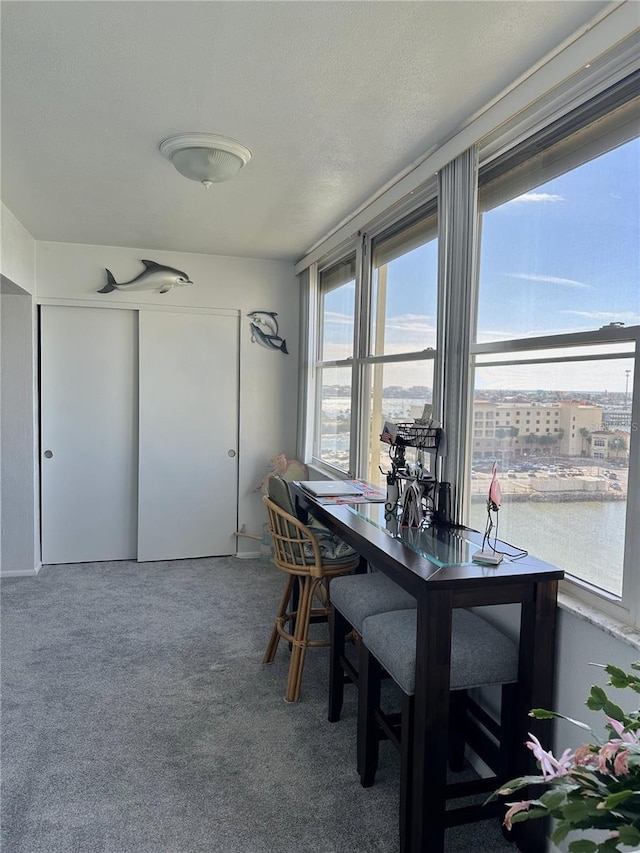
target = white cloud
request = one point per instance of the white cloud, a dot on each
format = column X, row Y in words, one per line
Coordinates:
column 629, row 318
column 529, row 198
column 338, row 319
column 549, row 279
column 411, row 323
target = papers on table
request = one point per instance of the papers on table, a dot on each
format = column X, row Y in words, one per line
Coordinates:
column 343, row 491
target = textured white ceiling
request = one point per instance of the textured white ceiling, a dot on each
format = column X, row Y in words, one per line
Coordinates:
column 333, row 99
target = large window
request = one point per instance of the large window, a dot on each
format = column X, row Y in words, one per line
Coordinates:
column 557, row 343
column 560, row 432
column 376, row 345
column 402, row 337
column 332, row 434
column 545, row 378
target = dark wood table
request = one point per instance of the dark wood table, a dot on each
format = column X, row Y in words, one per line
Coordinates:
column 435, row 566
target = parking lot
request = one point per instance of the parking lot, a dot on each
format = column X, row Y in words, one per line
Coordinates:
column 568, row 476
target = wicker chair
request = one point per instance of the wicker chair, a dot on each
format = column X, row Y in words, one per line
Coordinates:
column 298, row 552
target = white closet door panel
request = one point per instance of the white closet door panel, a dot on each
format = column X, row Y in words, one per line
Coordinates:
column 89, row 412
column 188, row 482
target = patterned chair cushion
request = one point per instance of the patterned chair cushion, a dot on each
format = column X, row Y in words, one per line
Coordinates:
column 332, row 548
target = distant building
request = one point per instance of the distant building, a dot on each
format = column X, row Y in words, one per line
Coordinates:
column 524, row 428
column 618, row 419
column 609, row 444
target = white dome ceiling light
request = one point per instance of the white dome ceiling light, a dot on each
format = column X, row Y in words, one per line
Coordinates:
column 205, row 157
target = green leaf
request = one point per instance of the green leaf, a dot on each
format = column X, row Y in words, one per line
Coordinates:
column 583, row 845
column 553, row 799
column 508, row 788
column 615, row 672
column 621, row 679
column 531, row 814
column 614, row 800
column 575, row 810
column 629, row 835
column 560, row 832
column 614, row 711
column 597, row 698
column 609, row 846
column 542, row 714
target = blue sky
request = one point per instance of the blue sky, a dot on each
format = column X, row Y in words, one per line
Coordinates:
column 566, row 255
column 563, row 256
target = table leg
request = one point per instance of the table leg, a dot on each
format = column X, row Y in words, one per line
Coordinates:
column 431, row 722
column 535, row 690
column 338, row 630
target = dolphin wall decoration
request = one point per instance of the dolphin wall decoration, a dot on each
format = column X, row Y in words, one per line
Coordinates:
column 153, row 277
column 264, row 331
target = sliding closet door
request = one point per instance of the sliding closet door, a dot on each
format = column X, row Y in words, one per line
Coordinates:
column 89, row 437
column 188, row 463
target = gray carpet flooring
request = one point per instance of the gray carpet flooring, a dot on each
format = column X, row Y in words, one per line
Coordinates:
column 137, row 717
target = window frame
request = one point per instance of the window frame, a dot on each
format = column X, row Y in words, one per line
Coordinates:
column 317, row 364
column 494, row 165
column 534, row 123
column 624, row 607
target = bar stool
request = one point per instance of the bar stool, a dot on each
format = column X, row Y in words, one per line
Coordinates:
column 480, row 656
column 311, row 557
column 353, row 599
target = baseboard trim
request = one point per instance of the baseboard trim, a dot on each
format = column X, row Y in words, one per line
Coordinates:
column 248, row 555
column 21, row 573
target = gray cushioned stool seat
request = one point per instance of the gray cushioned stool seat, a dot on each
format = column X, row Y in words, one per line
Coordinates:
column 360, row 596
column 480, row 654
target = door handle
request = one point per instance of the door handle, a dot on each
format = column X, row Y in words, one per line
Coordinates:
column 231, row 453
column 48, row 454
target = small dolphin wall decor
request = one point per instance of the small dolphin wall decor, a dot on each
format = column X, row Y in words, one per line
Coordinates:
column 264, row 331
column 153, row 277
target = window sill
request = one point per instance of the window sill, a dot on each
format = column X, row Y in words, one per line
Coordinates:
column 609, row 624
column 578, row 608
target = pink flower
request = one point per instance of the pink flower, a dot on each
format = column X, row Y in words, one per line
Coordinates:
column 514, row 809
column 584, row 757
column 620, row 763
column 618, row 727
column 551, row 766
column 606, row 755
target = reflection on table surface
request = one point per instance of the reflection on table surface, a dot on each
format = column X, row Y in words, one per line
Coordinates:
column 440, row 544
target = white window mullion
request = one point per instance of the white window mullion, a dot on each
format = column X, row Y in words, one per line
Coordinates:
column 362, row 373
column 631, row 577
column 308, row 346
column 457, row 250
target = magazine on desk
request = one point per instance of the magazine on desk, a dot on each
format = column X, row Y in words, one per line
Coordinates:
column 343, row 491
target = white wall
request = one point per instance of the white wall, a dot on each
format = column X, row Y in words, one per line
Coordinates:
column 580, row 644
column 17, row 512
column 19, row 550
column 268, row 379
column 18, row 259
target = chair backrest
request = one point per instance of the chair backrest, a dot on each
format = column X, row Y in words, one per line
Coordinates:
column 295, row 547
column 278, row 492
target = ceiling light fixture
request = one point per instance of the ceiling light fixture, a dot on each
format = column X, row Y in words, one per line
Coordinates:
column 205, row 157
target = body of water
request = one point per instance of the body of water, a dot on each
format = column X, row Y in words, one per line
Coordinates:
column 584, row 538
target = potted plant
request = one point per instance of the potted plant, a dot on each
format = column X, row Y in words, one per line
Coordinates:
column 597, row 786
